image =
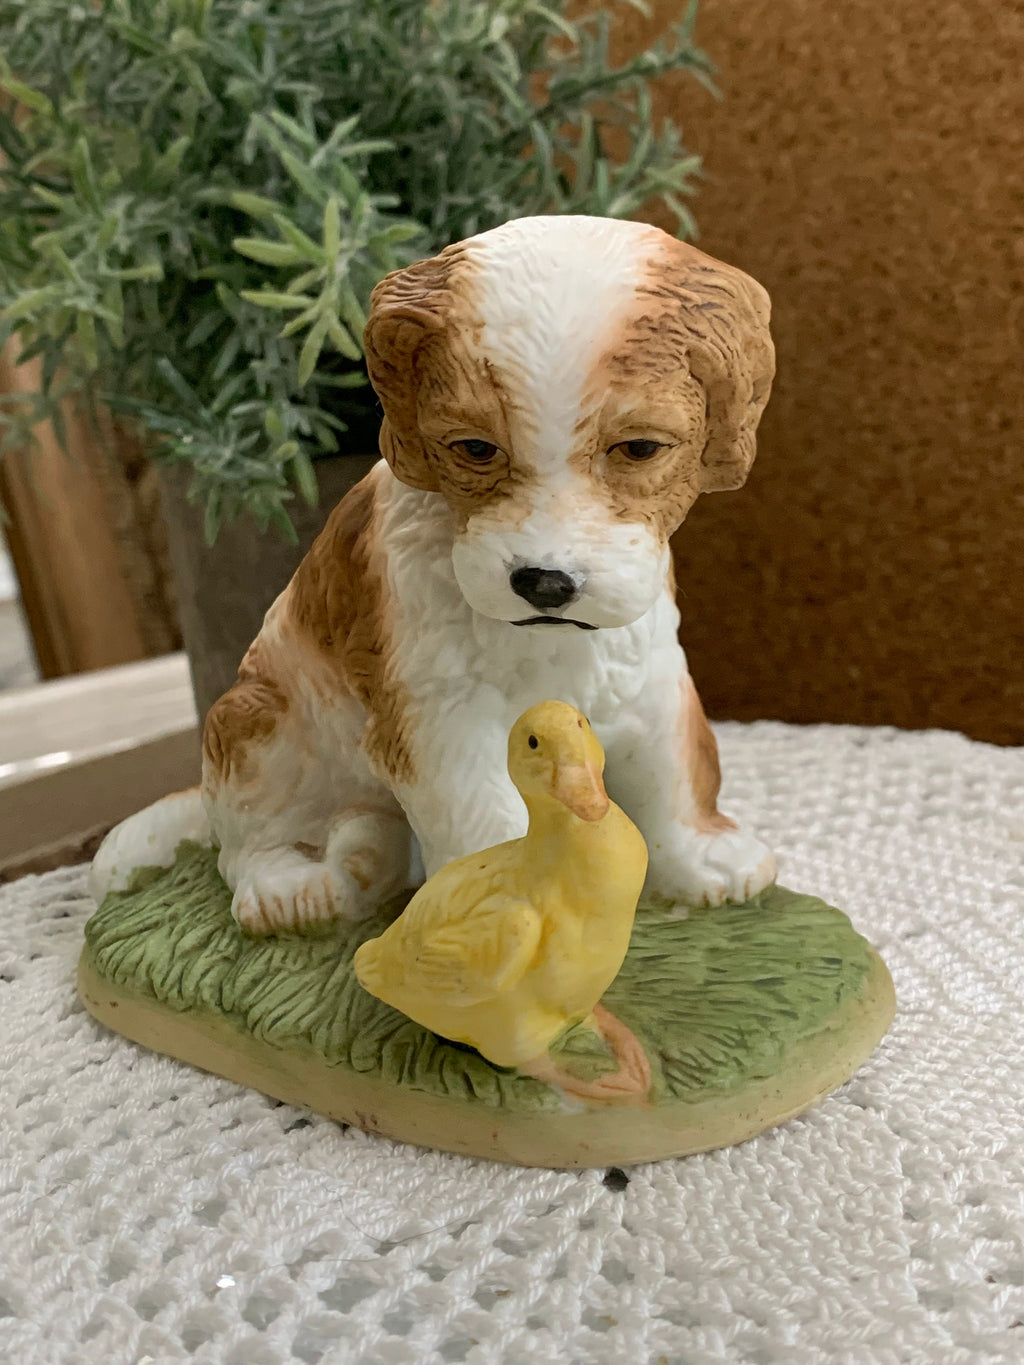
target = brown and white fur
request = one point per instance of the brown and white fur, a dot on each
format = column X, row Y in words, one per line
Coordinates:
column 556, row 394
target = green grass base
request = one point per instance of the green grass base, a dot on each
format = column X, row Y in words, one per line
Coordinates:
column 719, row 998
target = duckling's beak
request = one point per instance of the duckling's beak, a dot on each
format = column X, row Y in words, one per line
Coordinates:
column 580, row 788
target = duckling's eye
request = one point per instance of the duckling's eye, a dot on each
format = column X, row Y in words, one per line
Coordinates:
column 478, row 451
column 532, row 741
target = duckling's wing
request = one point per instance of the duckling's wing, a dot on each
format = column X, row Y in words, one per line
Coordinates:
column 484, row 954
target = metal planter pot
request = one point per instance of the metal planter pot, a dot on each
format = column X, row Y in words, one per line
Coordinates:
column 224, row 590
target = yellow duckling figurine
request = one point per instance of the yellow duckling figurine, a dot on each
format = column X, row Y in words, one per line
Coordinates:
column 506, row 949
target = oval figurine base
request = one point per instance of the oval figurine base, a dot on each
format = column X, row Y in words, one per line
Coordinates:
column 749, row 1014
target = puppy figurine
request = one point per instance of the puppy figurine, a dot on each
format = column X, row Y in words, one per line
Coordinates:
column 556, row 394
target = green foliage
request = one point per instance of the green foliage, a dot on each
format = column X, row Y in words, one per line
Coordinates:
column 197, row 196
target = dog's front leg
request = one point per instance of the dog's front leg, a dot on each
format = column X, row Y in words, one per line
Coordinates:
column 460, row 798
column 663, row 771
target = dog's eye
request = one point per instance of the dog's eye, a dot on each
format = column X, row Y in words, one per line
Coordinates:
column 638, row 450
column 476, row 450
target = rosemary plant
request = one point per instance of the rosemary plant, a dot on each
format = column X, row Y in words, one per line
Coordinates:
column 197, row 196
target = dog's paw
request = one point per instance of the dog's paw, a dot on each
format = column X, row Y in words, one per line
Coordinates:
column 296, row 888
column 283, row 892
column 710, row 868
column 373, row 851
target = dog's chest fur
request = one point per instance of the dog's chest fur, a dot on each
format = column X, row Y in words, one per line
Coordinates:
column 447, row 656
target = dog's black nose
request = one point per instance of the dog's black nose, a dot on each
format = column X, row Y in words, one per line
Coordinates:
column 543, row 587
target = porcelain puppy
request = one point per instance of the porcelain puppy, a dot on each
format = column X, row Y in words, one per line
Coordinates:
column 556, row 395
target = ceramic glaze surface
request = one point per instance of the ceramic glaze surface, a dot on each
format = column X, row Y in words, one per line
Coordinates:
column 473, row 685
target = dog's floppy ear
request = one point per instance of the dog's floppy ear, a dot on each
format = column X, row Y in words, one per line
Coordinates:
column 729, row 349
column 406, row 308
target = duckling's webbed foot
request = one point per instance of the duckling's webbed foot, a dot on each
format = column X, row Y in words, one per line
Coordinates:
column 634, row 1066
column 630, row 1084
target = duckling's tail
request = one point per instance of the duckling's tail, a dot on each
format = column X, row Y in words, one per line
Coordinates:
column 150, row 838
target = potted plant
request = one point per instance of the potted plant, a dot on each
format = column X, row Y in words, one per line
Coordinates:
column 197, row 197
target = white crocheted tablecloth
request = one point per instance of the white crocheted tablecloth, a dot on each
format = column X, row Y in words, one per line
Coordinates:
column 150, row 1213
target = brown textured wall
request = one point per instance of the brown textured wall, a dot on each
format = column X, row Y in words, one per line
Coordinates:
column 867, row 165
